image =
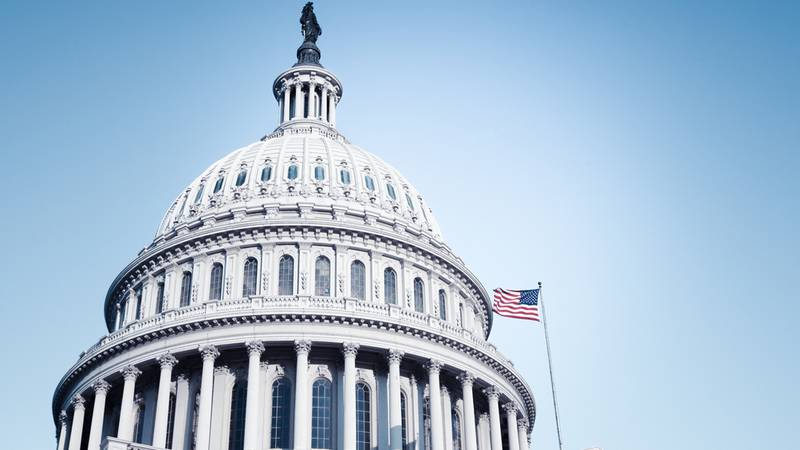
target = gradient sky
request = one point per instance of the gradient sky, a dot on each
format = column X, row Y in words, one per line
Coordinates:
column 639, row 158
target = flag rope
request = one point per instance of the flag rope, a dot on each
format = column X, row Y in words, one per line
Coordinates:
column 550, row 367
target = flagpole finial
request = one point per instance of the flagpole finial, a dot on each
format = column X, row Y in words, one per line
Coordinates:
column 540, row 285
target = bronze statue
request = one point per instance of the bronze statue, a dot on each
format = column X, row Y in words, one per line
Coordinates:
column 309, row 25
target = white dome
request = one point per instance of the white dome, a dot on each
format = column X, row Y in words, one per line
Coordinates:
column 302, row 168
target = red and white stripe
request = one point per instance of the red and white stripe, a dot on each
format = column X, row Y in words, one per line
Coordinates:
column 506, row 303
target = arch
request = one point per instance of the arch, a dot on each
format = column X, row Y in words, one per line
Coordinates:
column 322, row 276
column 358, row 280
column 238, row 406
column 442, row 305
column 215, row 284
column 363, row 417
column 390, row 286
column 321, row 414
column 419, row 295
column 281, row 413
column 286, row 275
column 186, row 289
column 250, row 277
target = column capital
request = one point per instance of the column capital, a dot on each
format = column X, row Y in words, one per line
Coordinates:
column 78, row 402
column 302, row 346
column 167, row 361
column 350, row 349
column 208, row 352
column 255, row 347
column 492, row 393
column 222, row 370
column 62, row 417
column 101, row 387
column 130, row 372
column 445, row 391
column 511, row 408
column 182, row 377
column 522, row 424
column 484, row 416
column 466, row 378
column 394, row 356
column 434, row 366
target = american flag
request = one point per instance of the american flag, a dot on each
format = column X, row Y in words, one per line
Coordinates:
column 517, row 304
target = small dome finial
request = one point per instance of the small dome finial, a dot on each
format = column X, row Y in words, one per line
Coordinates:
column 308, row 53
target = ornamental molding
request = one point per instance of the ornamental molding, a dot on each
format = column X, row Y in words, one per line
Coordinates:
column 467, row 379
column 302, row 346
column 130, row 373
column 101, row 387
column 350, row 349
column 394, row 356
column 208, row 352
column 167, row 361
column 510, row 408
column 434, row 367
column 79, row 403
column 255, row 348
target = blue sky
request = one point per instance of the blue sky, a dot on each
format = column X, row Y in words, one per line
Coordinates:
column 639, row 158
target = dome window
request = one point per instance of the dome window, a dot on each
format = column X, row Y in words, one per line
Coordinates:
column 266, row 174
column 390, row 190
column 199, row 196
column 241, row 178
column 344, row 176
column 292, row 172
column 370, row 183
column 218, row 184
column 319, row 173
column 410, row 202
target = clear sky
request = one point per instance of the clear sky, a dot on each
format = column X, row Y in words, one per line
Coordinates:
column 639, row 158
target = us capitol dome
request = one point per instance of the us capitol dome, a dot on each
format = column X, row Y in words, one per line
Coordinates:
column 298, row 294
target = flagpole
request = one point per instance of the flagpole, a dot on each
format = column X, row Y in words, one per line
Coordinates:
column 550, row 367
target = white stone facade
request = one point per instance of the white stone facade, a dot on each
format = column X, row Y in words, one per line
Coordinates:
column 298, row 294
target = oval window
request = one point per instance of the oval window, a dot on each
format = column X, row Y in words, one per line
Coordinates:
column 369, row 182
column 410, row 203
column 344, row 175
column 292, row 172
column 199, row 196
column 218, row 184
column 390, row 190
column 266, row 173
column 319, row 173
column 241, row 178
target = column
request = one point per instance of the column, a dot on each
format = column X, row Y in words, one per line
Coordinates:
column 251, row 414
column 511, row 418
column 332, row 112
column 167, row 362
column 287, row 101
column 496, row 438
column 78, row 410
column 395, row 412
column 298, row 101
column 101, row 388
column 349, row 395
column 483, row 431
column 447, row 418
column 62, row 430
column 181, row 411
column 437, row 436
column 125, row 429
column 413, row 407
column 522, row 427
column 312, row 101
column 324, row 106
column 209, row 354
column 470, row 439
column 301, row 398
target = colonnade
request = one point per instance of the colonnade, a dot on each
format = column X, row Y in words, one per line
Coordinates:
column 320, row 99
column 484, row 435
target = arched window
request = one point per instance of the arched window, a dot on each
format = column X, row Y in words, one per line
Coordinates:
column 238, row 404
column 456, row 430
column 363, row 417
column 218, row 185
column 390, row 191
column 138, row 315
column 199, row 196
column 215, row 289
column 344, row 176
column 160, row 298
column 250, row 277
column 442, row 305
column 170, row 418
column 358, row 280
column 322, row 276
column 286, row 275
column 186, row 289
column 369, row 183
column 410, row 202
column 266, row 174
column 281, row 413
column 403, row 419
column 319, row 173
column 419, row 295
column 138, row 432
column 390, row 286
column 291, row 173
column 321, row 412
column 241, row 178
